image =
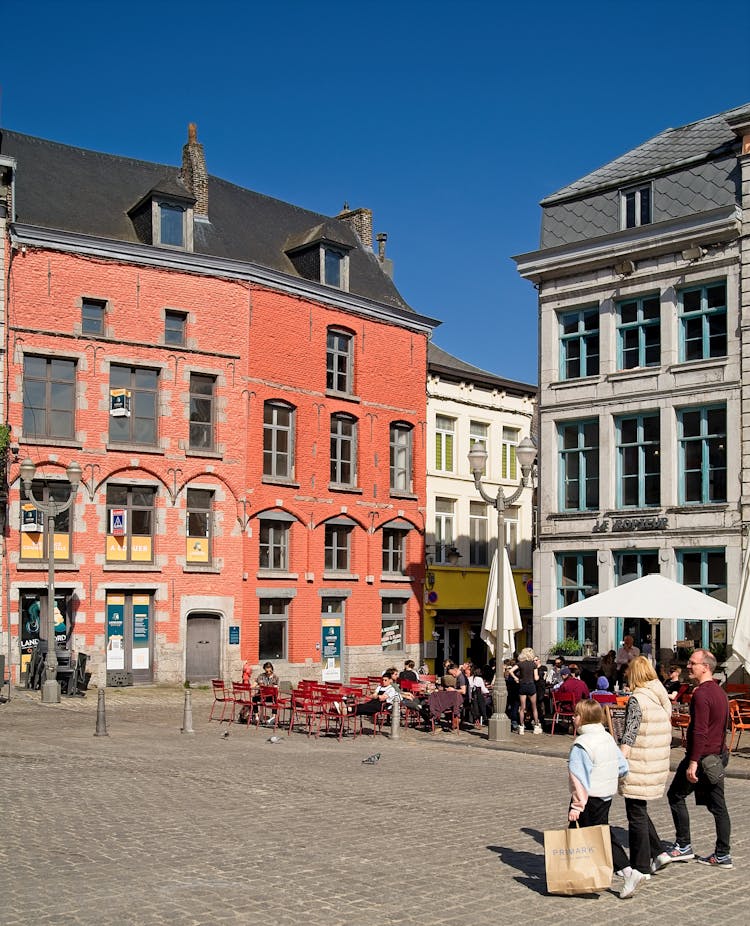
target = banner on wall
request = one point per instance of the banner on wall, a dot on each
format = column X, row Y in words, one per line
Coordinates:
column 115, row 632
column 141, row 616
column 330, row 646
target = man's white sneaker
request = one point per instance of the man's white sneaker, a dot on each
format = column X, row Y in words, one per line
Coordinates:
column 632, row 883
column 537, row 728
column 660, row 862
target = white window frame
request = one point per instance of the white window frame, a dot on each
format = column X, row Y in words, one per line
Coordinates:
column 445, row 443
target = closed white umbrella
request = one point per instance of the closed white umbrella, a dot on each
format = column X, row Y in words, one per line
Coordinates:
column 741, row 629
column 511, row 612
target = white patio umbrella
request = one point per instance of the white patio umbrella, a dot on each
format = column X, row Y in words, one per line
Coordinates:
column 511, row 612
column 741, row 629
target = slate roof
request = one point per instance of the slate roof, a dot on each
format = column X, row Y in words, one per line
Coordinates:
column 87, row 192
column 668, row 150
column 441, row 362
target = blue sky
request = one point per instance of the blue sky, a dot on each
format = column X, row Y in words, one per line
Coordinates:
column 449, row 120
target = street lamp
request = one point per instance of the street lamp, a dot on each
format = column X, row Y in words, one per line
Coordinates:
column 498, row 728
column 51, row 508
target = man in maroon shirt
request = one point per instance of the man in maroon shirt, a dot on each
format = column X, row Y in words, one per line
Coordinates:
column 572, row 686
column 706, row 736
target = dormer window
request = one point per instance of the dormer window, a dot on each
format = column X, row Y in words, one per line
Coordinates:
column 164, row 216
column 334, row 262
column 321, row 254
column 635, row 207
column 171, row 225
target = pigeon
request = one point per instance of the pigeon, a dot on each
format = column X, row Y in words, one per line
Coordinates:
column 274, row 739
column 225, row 735
column 371, row 760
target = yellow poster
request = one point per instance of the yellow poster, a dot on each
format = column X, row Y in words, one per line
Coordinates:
column 197, row 550
column 140, row 549
column 32, row 546
column 117, row 550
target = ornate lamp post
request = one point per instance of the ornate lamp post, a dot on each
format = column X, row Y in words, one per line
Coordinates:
column 51, row 508
column 499, row 725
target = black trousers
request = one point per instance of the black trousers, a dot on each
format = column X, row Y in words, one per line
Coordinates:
column 710, row 795
column 596, row 813
column 644, row 840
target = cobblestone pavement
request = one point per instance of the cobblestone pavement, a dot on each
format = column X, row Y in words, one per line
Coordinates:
column 150, row 826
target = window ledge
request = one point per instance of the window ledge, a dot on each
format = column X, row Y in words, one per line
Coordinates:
column 349, row 576
column 634, row 373
column 392, row 577
column 131, row 567
column 279, row 481
column 406, row 495
column 211, row 454
column 344, row 396
column 275, row 574
column 338, row 487
column 575, row 383
column 51, row 441
column 707, row 363
column 38, row 565
column 690, row 507
column 211, row 570
column 573, row 515
column 135, row 448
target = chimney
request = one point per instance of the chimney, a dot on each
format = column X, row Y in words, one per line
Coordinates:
column 360, row 222
column 193, row 173
column 385, row 263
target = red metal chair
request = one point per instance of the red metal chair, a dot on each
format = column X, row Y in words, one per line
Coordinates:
column 269, row 706
column 304, row 709
column 333, row 715
column 563, row 706
column 242, row 692
column 221, row 697
column 739, row 719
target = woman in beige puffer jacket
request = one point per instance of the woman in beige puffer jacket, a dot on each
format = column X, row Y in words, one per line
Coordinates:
column 646, row 743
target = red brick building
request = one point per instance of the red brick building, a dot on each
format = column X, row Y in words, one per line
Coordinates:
column 244, row 389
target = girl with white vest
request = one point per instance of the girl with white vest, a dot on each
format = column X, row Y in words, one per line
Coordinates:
column 594, row 766
column 646, row 743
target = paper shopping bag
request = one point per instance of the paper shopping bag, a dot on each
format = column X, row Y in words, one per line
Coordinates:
column 578, row 861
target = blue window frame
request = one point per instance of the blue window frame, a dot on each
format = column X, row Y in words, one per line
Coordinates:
column 639, row 333
column 579, row 465
column 579, row 343
column 577, row 578
column 629, row 565
column 702, row 436
column 703, row 322
column 705, row 571
column 638, row 461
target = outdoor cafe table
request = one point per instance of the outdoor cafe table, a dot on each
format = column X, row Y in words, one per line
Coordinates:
column 448, row 700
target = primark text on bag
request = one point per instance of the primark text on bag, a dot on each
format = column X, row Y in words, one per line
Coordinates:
column 578, row 861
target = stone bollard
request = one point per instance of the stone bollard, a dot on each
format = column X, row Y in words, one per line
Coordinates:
column 187, row 714
column 101, row 718
column 396, row 718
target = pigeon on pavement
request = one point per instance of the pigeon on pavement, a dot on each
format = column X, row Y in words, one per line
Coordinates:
column 371, row 760
column 274, row 739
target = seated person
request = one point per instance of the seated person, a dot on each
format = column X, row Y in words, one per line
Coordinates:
column 572, row 686
column 674, row 683
column 267, row 678
column 408, row 673
column 382, row 699
column 602, row 694
column 413, row 703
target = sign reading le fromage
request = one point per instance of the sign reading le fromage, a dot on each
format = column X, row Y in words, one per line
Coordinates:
column 629, row 524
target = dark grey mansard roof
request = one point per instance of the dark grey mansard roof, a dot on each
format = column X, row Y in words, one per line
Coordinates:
column 87, row 192
column 439, row 361
column 669, row 149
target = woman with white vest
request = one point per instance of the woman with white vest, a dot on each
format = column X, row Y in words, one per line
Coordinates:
column 646, row 743
column 594, row 766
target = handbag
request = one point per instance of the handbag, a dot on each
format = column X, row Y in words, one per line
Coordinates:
column 578, row 861
column 712, row 768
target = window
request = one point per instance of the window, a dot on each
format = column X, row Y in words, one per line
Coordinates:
column 631, row 565
column 703, row 322
column 199, row 524
column 639, row 333
column 706, row 572
column 272, row 628
column 343, row 450
column 339, row 361
column 444, row 428
column 443, row 528
column 92, row 316
column 130, row 524
column 171, row 225
column 401, row 449
column 201, row 411
column 508, row 466
column 478, row 438
column 579, row 465
column 394, row 551
column 638, row 461
column 274, row 544
column 392, row 625
column 338, row 547
column 175, row 324
column 333, row 263
column 278, row 440
column 635, row 207
column 702, row 435
column 577, row 578
column 579, row 343
column 511, row 534
column 478, row 533
column 139, row 427
column 34, row 543
column 48, row 397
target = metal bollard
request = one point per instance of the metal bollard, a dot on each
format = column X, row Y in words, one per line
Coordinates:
column 101, row 719
column 396, row 719
column 187, row 714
